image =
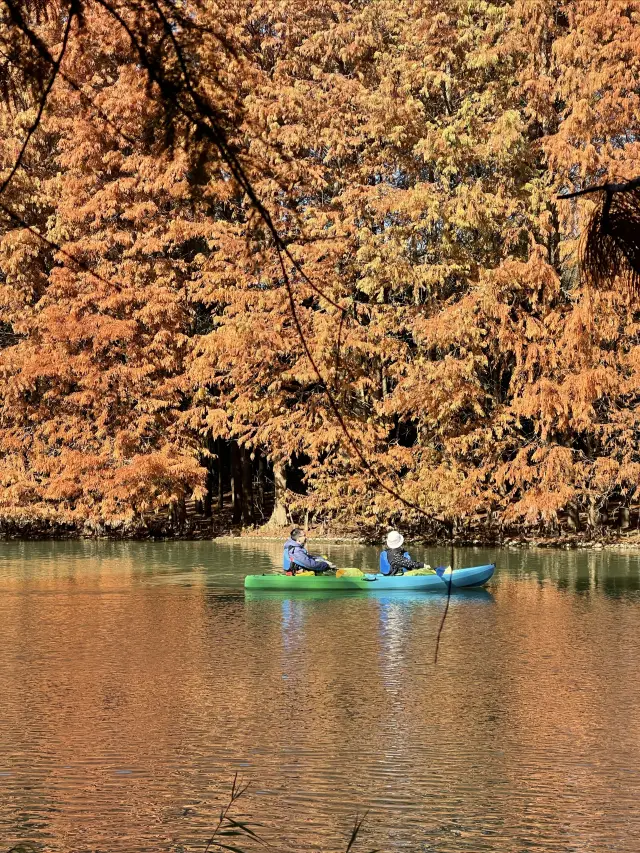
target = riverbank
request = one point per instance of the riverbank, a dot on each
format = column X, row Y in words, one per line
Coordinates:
column 621, row 541
column 221, row 528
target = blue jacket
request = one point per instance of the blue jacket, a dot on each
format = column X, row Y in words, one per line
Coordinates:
column 295, row 553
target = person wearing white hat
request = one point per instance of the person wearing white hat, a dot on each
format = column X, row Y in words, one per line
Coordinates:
column 397, row 559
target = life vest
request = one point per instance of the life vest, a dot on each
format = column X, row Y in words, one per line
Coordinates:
column 385, row 565
column 287, row 563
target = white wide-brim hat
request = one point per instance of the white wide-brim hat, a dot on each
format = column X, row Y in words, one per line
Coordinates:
column 394, row 539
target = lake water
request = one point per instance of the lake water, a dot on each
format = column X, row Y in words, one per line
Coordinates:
column 137, row 678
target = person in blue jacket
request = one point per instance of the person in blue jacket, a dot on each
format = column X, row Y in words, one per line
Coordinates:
column 296, row 557
column 397, row 560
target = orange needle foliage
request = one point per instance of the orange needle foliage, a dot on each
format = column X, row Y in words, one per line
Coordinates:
column 410, row 155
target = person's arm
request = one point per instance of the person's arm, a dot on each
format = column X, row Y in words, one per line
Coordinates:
column 302, row 558
column 408, row 564
column 322, row 561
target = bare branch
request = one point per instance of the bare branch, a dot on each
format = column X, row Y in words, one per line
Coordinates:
column 73, row 12
column 55, row 246
column 613, row 188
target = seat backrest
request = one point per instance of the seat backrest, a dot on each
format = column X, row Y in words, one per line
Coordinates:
column 385, row 566
column 286, row 562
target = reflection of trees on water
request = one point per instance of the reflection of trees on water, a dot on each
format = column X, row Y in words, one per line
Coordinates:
column 524, row 734
column 612, row 572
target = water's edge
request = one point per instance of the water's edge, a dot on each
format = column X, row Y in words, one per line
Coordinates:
column 595, row 539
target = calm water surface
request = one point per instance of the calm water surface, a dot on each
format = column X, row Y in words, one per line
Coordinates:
column 136, row 679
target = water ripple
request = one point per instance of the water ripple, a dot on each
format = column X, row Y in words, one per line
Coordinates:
column 137, row 680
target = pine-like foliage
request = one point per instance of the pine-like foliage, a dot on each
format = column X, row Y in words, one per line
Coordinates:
column 409, row 156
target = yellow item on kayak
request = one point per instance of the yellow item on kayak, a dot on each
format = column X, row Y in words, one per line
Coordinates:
column 304, row 574
column 349, row 573
column 427, row 570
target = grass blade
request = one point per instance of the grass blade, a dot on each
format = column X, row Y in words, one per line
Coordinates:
column 354, row 832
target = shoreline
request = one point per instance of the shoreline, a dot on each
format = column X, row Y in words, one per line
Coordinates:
column 605, row 540
column 631, row 542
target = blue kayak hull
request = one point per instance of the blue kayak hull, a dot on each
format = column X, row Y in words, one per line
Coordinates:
column 458, row 579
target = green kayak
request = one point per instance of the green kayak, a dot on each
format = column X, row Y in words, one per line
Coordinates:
column 458, row 579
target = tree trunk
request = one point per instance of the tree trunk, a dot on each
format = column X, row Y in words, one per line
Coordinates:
column 604, row 514
column 178, row 514
column 221, row 455
column 261, row 478
column 208, row 498
column 573, row 517
column 247, row 487
column 236, row 482
column 279, row 514
column 624, row 518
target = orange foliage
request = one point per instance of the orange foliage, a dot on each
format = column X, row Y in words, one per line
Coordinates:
column 410, row 155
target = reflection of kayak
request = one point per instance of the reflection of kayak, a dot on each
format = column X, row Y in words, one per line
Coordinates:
column 459, row 579
column 408, row 597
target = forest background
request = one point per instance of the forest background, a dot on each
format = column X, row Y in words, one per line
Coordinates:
column 410, row 154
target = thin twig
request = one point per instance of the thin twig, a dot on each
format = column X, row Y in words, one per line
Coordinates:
column 56, row 247
column 88, row 100
column 73, row 12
